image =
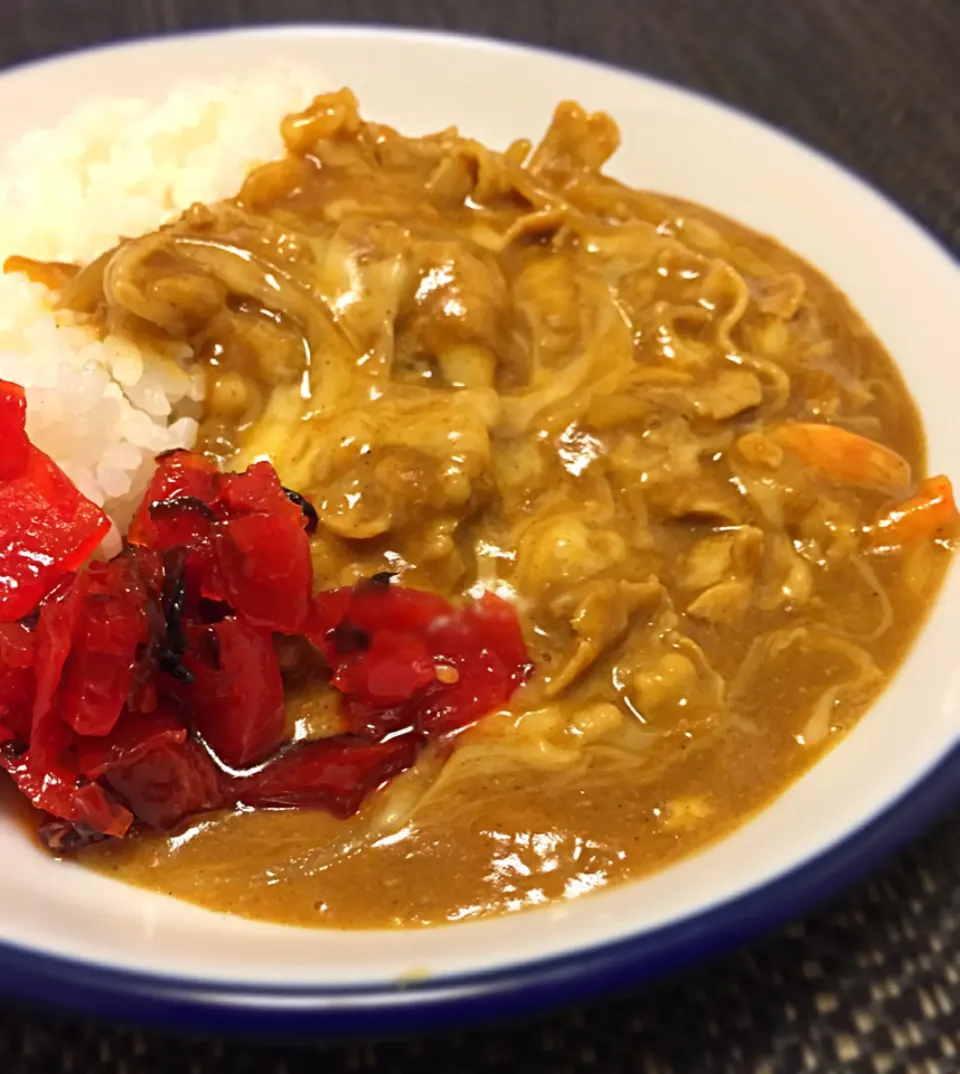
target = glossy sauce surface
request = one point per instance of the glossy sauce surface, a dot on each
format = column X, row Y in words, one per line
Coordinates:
column 507, row 371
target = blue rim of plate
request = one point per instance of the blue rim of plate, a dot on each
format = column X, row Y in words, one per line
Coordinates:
column 193, row 1006
column 199, row 1006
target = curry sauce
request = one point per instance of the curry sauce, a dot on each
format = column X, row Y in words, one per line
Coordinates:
column 669, row 442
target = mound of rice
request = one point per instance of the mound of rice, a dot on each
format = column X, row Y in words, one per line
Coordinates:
column 104, row 408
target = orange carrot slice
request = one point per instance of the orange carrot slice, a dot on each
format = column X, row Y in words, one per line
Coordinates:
column 845, row 458
column 929, row 514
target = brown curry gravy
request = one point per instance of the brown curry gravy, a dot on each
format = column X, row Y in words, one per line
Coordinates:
column 676, row 774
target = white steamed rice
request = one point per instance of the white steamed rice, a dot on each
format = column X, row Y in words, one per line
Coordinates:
column 115, row 168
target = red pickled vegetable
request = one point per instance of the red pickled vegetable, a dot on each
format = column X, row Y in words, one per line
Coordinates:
column 265, row 572
column 47, row 528
column 16, row 697
column 18, row 643
column 109, row 629
column 18, row 682
column 388, row 643
column 135, row 736
column 52, row 786
column 257, row 490
column 327, row 611
column 263, row 553
column 236, row 698
column 373, row 637
column 483, row 644
column 382, row 605
column 98, row 811
column 183, row 521
column 391, row 668
column 179, row 474
column 58, row 617
column 148, row 687
column 259, row 543
column 13, row 435
column 169, row 782
column 335, row 774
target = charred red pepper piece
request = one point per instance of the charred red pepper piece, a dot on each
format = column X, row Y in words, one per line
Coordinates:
column 183, row 521
column 109, row 630
column 142, row 682
column 98, row 811
column 179, row 475
column 147, row 570
column 483, row 644
column 258, row 490
column 335, row 774
column 309, row 512
column 397, row 638
column 373, row 637
column 170, row 782
column 58, row 617
column 47, row 528
column 373, row 605
column 265, row 571
column 134, row 736
column 381, row 604
column 13, row 434
column 391, row 668
column 327, row 612
column 247, row 539
column 236, row 698
column 263, row 553
column 54, row 786
column 18, row 683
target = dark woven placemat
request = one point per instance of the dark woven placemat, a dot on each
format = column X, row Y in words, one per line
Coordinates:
column 871, row 983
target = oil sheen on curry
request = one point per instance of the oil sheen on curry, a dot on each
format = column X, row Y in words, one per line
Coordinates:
column 669, row 443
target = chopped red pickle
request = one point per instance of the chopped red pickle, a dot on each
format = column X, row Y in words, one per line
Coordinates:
column 147, row 689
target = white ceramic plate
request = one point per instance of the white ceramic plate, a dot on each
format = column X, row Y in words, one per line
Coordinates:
column 73, row 937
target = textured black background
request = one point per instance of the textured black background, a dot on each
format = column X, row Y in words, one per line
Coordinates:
column 870, row 983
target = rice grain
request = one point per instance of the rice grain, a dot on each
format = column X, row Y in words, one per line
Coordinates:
column 114, row 168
